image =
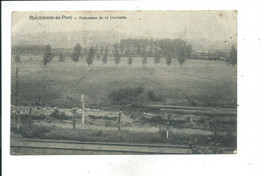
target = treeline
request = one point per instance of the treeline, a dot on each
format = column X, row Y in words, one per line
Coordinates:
column 143, row 48
column 164, row 48
column 90, row 55
column 38, row 50
column 126, row 47
column 28, row 49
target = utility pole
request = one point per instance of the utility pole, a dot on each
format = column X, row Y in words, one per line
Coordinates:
column 83, row 100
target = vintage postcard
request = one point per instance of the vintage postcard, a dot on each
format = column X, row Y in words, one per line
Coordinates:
column 123, row 82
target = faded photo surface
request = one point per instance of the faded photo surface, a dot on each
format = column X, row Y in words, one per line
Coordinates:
column 124, row 82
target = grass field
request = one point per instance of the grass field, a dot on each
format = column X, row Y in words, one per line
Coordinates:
column 60, row 84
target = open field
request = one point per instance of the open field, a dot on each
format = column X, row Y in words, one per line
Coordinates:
column 195, row 83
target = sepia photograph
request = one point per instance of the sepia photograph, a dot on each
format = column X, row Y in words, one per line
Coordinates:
column 133, row 82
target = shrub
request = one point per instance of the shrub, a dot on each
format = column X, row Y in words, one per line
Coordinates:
column 94, row 117
column 226, row 140
column 25, row 119
column 157, row 120
column 126, row 95
column 152, row 96
column 55, row 113
column 33, row 131
column 59, row 115
column 212, row 148
column 114, row 118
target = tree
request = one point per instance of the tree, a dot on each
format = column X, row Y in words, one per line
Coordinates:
column 91, row 55
column 168, row 59
column 17, row 58
column 61, row 57
column 116, row 54
column 104, row 58
column 47, row 55
column 76, row 53
column 181, row 60
column 130, row 60
column 233, row 56
column 97, row 52
column 188, row 51
column 181, row 51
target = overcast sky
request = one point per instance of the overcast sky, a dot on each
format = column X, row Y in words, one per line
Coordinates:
column 214, row 25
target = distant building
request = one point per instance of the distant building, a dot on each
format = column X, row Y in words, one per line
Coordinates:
column 201, row 52
column 205, row 55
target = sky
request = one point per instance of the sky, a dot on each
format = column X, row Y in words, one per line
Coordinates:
column 213, row 25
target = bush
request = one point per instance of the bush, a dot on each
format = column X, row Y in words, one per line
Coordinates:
column 59, row 115
column 33, row 131
column 55, row 114
column 212, row 148
column 114, row 118
column 152, row 96
column 126, row 95
column 25, row 119
column 226, row 140
column 157, row 120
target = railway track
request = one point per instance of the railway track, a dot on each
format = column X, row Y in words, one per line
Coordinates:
column 207, row 111
column 31, row 147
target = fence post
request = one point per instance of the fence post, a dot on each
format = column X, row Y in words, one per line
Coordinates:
column 16, row 118
column 74, row 123
column 74, row 118
column 119, row 119
column 18, row 121
column 83, row 99
column 215, row 126
column 30, row 116
column 167, row 127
